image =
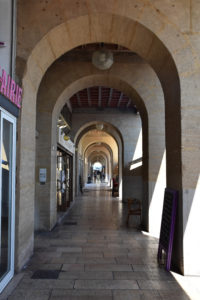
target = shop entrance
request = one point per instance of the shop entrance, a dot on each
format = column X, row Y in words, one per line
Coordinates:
column 64, row 180
column 7, row 196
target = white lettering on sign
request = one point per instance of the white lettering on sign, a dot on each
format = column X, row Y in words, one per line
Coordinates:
column 10, row 89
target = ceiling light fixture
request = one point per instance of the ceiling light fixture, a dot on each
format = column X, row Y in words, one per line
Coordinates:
column 102, row 59
column 99, row 126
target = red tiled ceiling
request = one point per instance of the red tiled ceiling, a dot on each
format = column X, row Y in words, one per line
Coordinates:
column 94, row 92
column 124, row 101
column 74, row 101
column 99, row 101
column 115, row 98
column 105, row 92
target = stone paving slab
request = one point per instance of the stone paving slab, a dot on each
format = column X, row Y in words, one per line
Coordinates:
column 66, row 243
column 40, row 284
column 106, row 284
column 70, row 249
column 38, row 255
column 62, row 260
column 173, row 294
column 93, row 260
column 81, row 295
column 105, row 250
column 160, row 274
column 116, row 254
column 30, row 295
column 86, row 275
column 158, row 285
column 136, row 295
column 107, row 267
column 129, row 261
column 73, row 267
column 83, row 254
column 34, row 267
column 130, row 275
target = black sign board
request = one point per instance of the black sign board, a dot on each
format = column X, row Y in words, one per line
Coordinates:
column 167, row 225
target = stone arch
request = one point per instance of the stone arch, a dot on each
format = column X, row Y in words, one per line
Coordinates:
column 150, row 169
column 155, row 53
column 48, row 123
column 50, row 100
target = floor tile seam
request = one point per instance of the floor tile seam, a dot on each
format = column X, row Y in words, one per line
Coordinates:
column 138, row 284
column 132, row 267
column 96, row 279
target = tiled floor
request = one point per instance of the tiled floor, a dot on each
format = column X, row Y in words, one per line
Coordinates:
column 97, row 257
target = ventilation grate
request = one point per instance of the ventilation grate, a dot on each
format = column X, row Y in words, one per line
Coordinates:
column 46, row 274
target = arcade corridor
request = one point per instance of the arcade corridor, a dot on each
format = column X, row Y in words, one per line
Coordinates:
column 93, row 255
column 99, row 104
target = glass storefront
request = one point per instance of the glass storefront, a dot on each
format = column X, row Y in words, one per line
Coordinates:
column 7, row 196
column 64, row 180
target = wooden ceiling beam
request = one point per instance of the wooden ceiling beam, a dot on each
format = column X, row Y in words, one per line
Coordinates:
column 129, row 103
column 120, row 99
column 110, row 97
column 99, row 97
column 89, row 97
column 78, row 98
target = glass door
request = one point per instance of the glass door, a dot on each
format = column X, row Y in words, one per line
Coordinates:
column 7, row 196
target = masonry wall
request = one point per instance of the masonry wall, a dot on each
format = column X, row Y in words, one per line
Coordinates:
column 166, row 34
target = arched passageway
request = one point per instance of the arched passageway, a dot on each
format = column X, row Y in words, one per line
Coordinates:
column 160, row 55
column 89, row 137
column 92, row 152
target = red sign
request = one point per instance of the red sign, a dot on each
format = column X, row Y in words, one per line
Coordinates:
column 10, row 89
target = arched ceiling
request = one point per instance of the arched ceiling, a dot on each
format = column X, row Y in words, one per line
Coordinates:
column 96, row 151
column 98, row 137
